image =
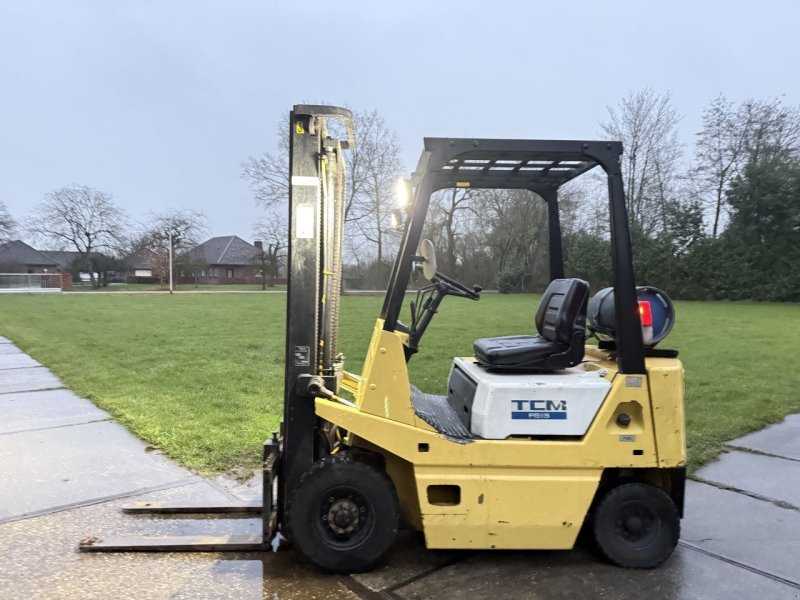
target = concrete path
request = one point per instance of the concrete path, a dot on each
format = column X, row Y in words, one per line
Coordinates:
column 66, row 468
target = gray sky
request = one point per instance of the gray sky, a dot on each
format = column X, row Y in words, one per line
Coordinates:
column 159, row 101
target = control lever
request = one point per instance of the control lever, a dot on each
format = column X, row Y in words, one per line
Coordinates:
column 456, row 288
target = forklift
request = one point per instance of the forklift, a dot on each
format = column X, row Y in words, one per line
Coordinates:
column 540, row 435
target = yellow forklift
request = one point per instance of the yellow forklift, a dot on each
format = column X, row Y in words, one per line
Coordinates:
column 539, row 435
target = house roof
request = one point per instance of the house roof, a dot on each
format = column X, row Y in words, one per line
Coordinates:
column 65, row 258
column 17, row 252
column 143, row 258
column 227, row 250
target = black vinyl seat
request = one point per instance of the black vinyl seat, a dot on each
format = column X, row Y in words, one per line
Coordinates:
column 561, row 323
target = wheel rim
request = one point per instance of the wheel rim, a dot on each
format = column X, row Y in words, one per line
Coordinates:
column 345, row 518
column 636, row 524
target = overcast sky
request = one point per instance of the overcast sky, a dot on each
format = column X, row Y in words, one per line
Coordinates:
column 158, row 102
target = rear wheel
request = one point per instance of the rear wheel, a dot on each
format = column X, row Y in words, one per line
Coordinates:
column 343, row 515
column 636, row 525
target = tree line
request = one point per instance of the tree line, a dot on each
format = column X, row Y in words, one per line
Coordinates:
column 719, row 222
column 718, row 219
column 90, row 223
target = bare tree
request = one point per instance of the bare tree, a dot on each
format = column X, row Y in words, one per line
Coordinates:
column 372, row 168
column 185, row 228
column 82, row 218
column 720, row 152
column 271, row 245
column 7, row 224
column 771, row 129
column 646, row 123
column 370, row 210
column 733, row 136
column 449, row 218
column 517, row 221
column 268, row 174
column 153, row 249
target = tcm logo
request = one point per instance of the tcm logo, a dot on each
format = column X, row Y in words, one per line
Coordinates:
column 539, row 409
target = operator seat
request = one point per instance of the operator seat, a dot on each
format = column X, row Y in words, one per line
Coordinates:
column 561, row 322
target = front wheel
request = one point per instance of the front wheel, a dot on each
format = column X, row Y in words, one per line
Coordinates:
column 636, row 525
column 343, row 515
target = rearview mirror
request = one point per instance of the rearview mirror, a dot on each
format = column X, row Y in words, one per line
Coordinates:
column 428, row 254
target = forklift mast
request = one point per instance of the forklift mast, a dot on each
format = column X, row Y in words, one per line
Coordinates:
column 316, row 222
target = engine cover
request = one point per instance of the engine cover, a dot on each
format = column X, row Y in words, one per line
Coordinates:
column 561, row 403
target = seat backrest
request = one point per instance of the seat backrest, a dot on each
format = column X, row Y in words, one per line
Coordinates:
column 562, row 310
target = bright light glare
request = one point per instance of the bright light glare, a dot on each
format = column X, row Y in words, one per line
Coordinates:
column 403, row 193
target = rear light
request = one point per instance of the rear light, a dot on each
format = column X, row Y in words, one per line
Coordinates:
column 645, row 314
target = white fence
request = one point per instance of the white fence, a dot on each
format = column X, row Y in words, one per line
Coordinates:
column 30, row 283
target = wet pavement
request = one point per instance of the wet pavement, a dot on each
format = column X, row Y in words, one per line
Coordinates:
column 66, row 469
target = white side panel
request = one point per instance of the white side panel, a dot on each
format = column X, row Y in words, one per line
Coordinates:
column 559, row 403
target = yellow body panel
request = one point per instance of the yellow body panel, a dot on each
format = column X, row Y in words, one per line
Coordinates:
column 666, row 397
column 517, row 492
column 385, row 379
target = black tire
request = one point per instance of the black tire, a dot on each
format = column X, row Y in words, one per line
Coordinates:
column 343, row 515
column 636, row 525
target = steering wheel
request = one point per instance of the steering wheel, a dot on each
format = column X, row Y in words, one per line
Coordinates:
column 456, row 288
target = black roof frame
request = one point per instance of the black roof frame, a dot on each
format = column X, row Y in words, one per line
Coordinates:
column 541, row 166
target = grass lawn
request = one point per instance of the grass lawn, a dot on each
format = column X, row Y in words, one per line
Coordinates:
column 200, row 376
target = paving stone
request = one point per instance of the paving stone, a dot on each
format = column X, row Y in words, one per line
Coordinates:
column 409, row 558
column 251, row 489
column 16, row 360
column 4, row 340
column 753, row 532
column 39, row 559
column 43, row 469
column 25, row 411
column 67, row 463
column 578, row 574
column 775, row 478
column 782, row 439
column 9, row 348
column 27, row 380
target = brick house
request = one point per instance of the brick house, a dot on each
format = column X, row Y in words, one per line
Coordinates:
column 227, row 259
column 68, row 260
column 144, row 266
column 18, row 257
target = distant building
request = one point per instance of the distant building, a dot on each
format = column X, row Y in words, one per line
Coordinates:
column 68, row 260
column 144, row 266
column 18, row 257
column 227, row 259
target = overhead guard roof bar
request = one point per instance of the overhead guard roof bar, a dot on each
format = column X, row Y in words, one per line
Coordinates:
column 507, row 164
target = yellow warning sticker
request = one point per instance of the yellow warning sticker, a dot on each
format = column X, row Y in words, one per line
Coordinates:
column 299, row 129
column 462, row 184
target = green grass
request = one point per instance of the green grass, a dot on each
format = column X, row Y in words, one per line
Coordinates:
column 201, row 376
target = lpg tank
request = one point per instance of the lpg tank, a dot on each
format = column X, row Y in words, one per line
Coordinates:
column 602, row 319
